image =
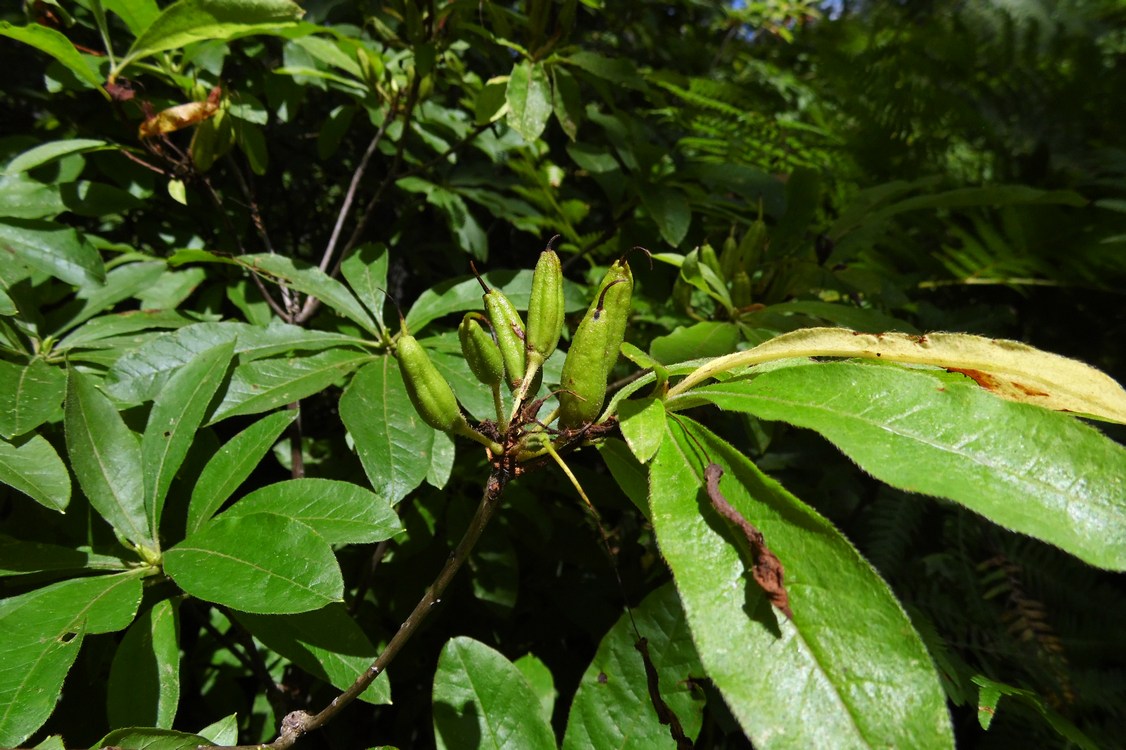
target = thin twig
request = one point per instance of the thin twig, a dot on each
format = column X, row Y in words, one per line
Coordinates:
column 299, row 723
column 354, row 185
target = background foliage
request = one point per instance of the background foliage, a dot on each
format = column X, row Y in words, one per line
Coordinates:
column 883, row 166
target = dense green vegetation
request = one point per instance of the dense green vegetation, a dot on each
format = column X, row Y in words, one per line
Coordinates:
column 219, row 505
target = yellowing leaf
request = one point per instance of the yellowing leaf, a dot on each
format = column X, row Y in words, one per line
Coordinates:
column 181, row 116
column 1009, row 369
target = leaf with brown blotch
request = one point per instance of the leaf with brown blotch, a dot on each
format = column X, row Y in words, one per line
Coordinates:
column 767, row 569
column 181, row 116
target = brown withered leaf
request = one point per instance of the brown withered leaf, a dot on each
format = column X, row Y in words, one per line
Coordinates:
column 181, row 116
column 767, row 569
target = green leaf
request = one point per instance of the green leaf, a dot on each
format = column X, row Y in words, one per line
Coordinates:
column 265, row 563
column 703, row 339
column 482, row 701
column 99, row 604
column 106, row 458
column 990, row 696
column 566, row 101
column 108, row 326
column 543, row 684
column 613, row 707
column 327, row 644
column 175, row 416
column 120, row 284
column 18, row 557
column 266, row 384
column 392, row 441
column 151, row 739
column 144, row 678
column 187, row 21
column 628, row 472
column 53, row 249
column 232, row 464
column 137, row 14
column 366, row 272
column 34, row 468
column 24, row 198
column 309, row 280
column 669, row 209
column 847, row 671
column 618, row 70
column 643, row 426
column 54, row 44
column 341, row 512
column 31, row 680
column 529, row 99
column 140, row 374
column 222, row 732
column 1039, row 472
column 48, row 152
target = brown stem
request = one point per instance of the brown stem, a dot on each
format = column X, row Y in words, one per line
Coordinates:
column 299, row 723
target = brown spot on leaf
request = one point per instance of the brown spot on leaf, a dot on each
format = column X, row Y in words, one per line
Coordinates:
column 1028, row 390
column 767, row 571
column 984, row 379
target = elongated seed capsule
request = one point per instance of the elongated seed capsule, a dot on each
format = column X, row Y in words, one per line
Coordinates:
column 753, row 245
column 594, row 349
column 508, row 327
column 729, row 257
column 741, row 289
column 710, row 259
column 480, row 351
column 545, row 308
column 431, row 395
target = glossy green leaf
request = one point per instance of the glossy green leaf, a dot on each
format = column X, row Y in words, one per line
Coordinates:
column 614, row 69
column 145, row 738
column 341, row 512
column 704, row 339
column 106, row 458
column 34, row 468
column 21, row 197
column 266, row 384
column 97, row 604
column 144, row 678
column 188, row 21
column 990, row 695
column 327, row 644
column 46, row 153
column 176, row 414
column 310, row 280
column 140, row 374
column 232, row 464
column 613, row 707
column 643, row 426
column 566, row 101
column 482, row 701
column 392, row 441
column 31, row 679
column 18, row 557
column 848, row 671
column 121, row 283
column 630, row 474
column 54, row 44
column 137, row 14
column 222, row 732
column 543, row 684
column 366, row 273
column 54, row 249
column 529, row 99
column 264, row 563
column 94, row 332
column 669, row 209
column 40, row 634
column 1039, row 472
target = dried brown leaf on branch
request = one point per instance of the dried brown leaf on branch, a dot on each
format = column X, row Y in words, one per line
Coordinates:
column 181, row 116
column 767, row 569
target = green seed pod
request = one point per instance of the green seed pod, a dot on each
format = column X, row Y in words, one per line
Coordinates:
column 508, row 327
column 431, row 395
column 594, row 349
column 480, row 351
column 545, row 308
column 710, row 259
column 741, row 289
column 753, row 246
column 729, row 259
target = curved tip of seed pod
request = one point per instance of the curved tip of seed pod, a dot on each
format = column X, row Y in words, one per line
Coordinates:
column 638, row 248
column 477, row 276
column 399, row 310
column 553, row 242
